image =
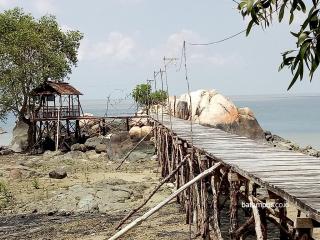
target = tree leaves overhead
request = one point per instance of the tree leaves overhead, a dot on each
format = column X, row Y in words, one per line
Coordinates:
column 307, row 53
column 31, row 51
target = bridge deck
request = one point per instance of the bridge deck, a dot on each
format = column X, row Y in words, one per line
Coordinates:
column 293, row 176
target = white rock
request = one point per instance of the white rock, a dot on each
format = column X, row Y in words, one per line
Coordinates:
column 210, row 108
column 146, row 130
column 135, row 132
column 19, row 141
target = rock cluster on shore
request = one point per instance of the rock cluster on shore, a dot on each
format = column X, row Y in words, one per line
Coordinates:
column 280, row 142
column 210, row 108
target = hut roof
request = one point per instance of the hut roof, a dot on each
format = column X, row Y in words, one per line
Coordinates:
column 52, row 87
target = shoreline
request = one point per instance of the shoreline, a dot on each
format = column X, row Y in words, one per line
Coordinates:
column 272, row 139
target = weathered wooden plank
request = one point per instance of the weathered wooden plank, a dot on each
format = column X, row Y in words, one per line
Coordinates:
column 297, row 175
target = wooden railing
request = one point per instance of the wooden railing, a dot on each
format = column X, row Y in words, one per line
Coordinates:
column 55, row 112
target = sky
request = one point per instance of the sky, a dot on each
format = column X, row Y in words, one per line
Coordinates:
column 125, row 42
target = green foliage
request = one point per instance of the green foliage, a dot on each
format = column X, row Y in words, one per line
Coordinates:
column 141, row 94
column 35, row 183
column 307, row 53
column 158, row 97
column 31, row 51
column 5, row 195
column 144, row 97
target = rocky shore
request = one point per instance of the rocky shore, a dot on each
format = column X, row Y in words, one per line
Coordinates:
column 79, row 194
column 277, row 141
column 210, row 108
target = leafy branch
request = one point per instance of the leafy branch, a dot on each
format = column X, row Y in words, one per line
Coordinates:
column 307, row 53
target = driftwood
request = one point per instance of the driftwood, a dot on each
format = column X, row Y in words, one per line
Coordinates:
column 164, row 202
column 134, row 148
column 152, row 193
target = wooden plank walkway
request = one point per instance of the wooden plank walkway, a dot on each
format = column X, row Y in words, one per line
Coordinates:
column 293, row 176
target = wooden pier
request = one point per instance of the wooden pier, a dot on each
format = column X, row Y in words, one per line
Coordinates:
column 269, row 180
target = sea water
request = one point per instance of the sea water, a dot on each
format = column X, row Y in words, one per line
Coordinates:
column 295, row 117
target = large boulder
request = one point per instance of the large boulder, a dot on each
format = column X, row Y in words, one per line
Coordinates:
column 79, row 147
column 91, row 143
column 135, row 133
column 210, row 108
column 182, row 110
column 100, row 148
column 146, row 131
column 119, row 137
column 19, row 141
column 86, row 122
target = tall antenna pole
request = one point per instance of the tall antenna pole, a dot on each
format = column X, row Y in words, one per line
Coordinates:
column 165, row 62
column 155, row 89
column 162, row 89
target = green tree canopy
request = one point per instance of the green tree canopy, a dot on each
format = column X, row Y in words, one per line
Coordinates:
column 31, row 51
column 307, row 53
column 141, row 94
column 144, row 97
column 159, row 97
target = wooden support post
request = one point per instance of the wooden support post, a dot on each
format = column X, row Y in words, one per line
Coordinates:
column 234, row 188
column 204, row 197
column 104, row 129
column 68, row 127
column 127, row 124
column 77, row 130
column 164, row 202
column 282, row 218
column 215, row 207
column 304, row 228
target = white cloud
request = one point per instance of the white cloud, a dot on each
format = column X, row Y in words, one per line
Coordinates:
column 196, row 54
column 44, row 6
column 116, row 47
column 4, row 3
column 130, row 1
column 173, row 45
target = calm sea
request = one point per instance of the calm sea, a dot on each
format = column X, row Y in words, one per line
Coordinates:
column 295, row 117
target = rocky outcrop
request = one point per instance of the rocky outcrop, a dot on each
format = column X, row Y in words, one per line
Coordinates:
column 146, row 132
column 280, row 142
column 210, row 108
column 137, row 133
column 5, row 151
column 91, row 143
column 119, row 137
column 19, row 141
column 101, row 148
column 79, row 147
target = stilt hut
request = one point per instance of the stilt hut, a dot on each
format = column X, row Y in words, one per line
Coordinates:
column 55, row 112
